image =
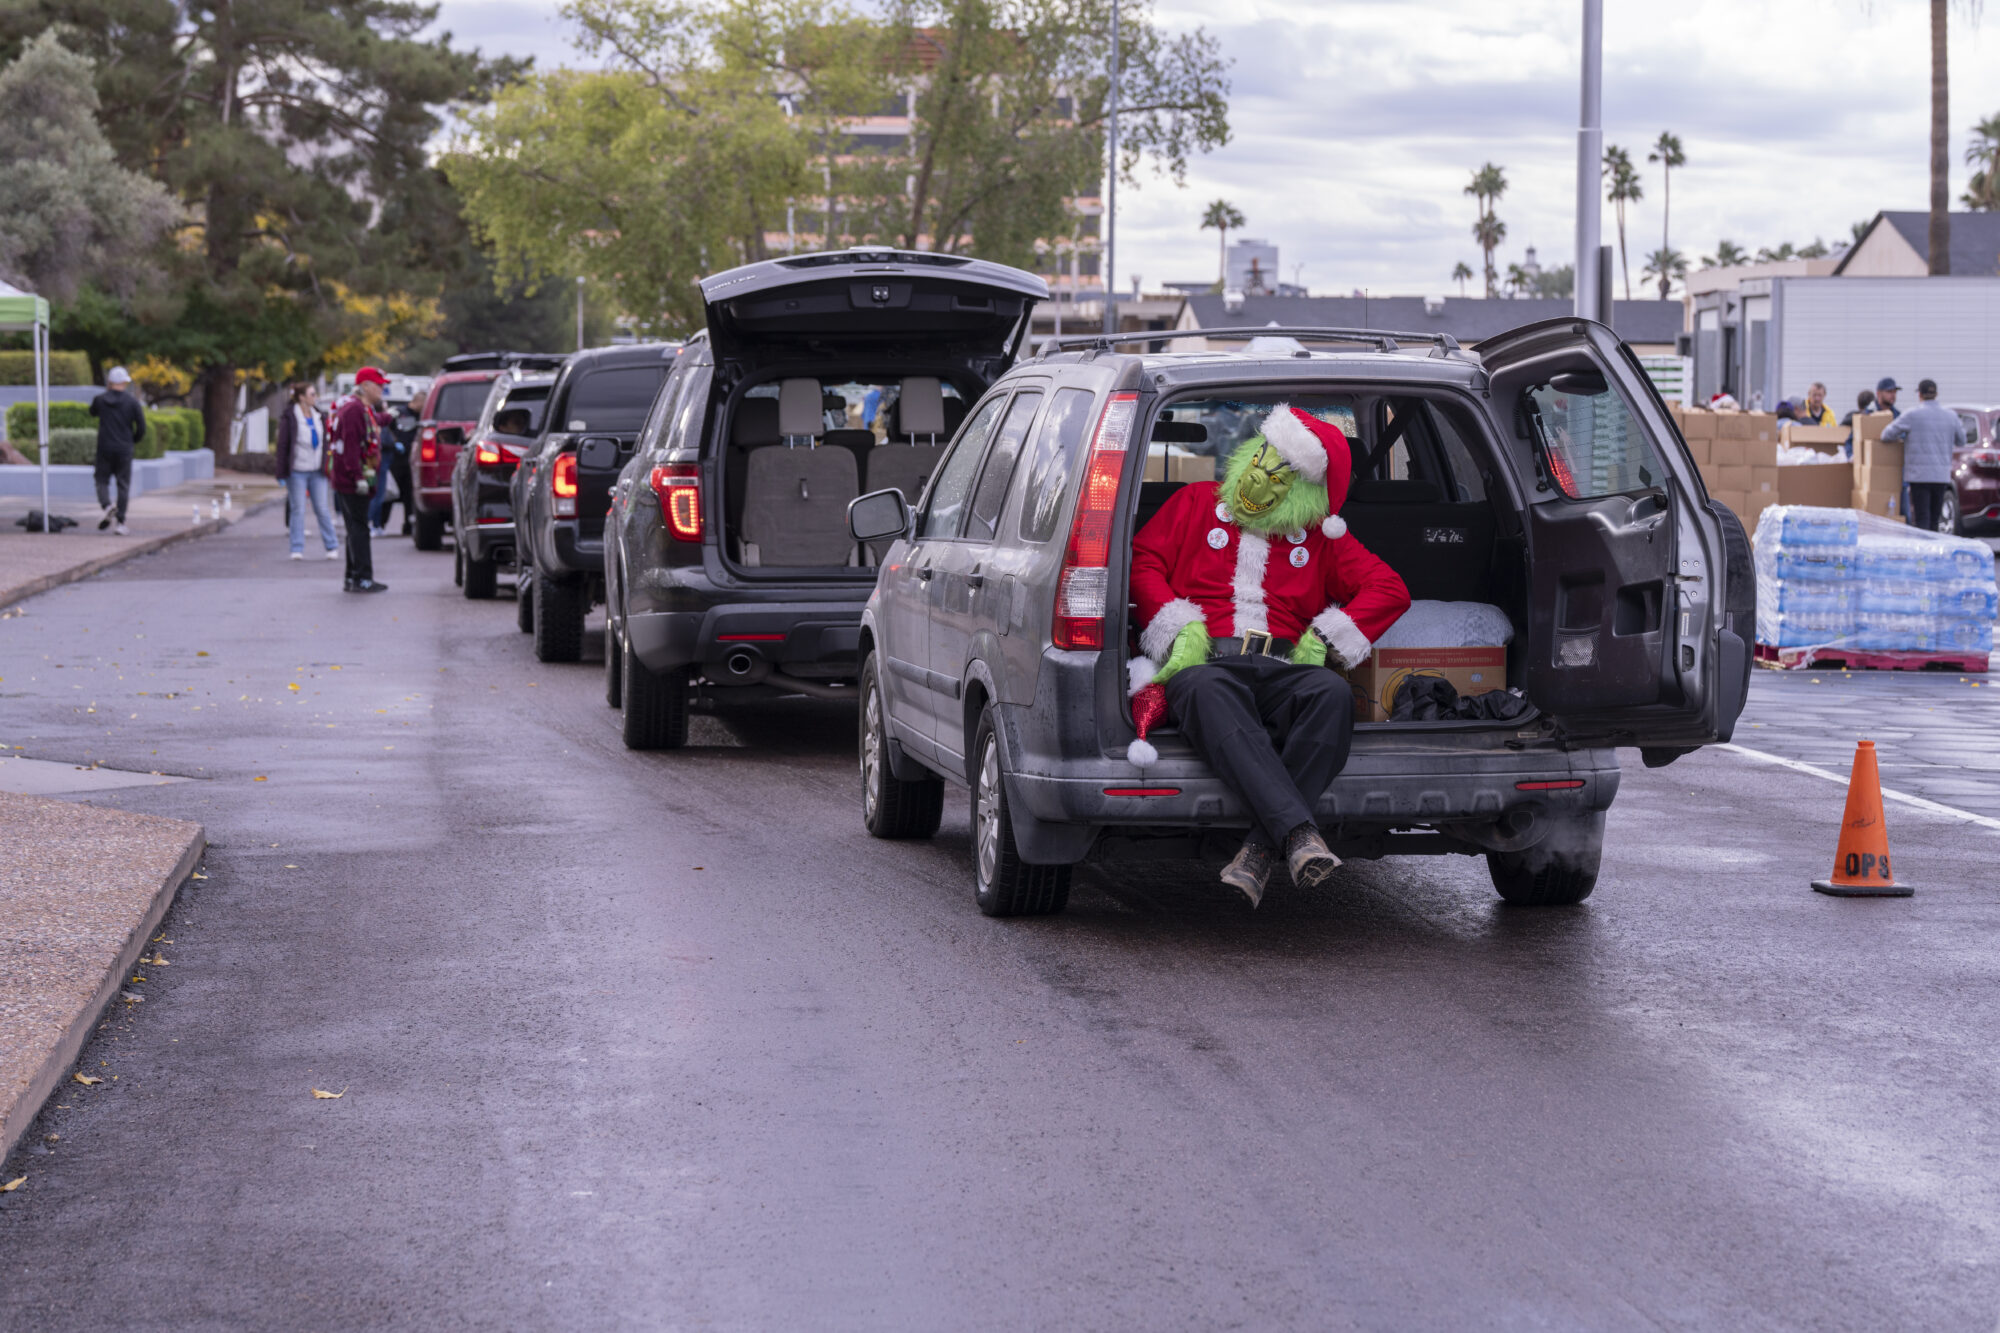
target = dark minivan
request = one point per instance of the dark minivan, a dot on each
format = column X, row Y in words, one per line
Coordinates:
column 1542, row 481
column 728, row 563
column 561, row 489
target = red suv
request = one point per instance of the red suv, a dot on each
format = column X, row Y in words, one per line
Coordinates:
column 456, row 399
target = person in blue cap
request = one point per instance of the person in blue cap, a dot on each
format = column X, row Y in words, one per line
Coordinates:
column 1886, row 389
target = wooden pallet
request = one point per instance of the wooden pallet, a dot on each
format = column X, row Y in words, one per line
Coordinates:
column 1848, row 659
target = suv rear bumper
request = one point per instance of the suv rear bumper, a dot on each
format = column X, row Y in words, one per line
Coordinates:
column 575, row 554
column 816, row 639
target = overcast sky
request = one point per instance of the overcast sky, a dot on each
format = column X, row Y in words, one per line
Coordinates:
column 1358, row 123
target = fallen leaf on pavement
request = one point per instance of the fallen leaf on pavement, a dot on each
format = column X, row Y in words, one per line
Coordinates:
column 260, row 778
column 86, row 1079
column 324, row 1095
column 13, row 1185
column 291, row 867
column 293, row 686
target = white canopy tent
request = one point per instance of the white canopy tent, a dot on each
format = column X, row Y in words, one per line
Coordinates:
column 21, row 310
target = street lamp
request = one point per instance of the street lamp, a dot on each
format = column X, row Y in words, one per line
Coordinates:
column 579, row 313
column 1589, row 154
column 1111, row 195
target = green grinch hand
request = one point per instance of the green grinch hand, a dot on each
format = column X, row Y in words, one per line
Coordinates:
column 1190, row 649
column 1310, row 650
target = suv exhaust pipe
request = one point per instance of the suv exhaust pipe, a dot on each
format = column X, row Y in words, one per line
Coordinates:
column 748, row 668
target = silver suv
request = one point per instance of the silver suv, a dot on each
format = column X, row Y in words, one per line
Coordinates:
column 1543, row 477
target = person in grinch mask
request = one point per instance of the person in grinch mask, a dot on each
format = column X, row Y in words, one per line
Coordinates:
column 1247, row 590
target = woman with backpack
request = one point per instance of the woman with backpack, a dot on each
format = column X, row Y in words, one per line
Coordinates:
column 301, row 447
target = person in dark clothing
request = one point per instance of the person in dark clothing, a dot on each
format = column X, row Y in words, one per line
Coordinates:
column 1929, row 434
column 396, row 464
column 121, row 424
column 356, row 446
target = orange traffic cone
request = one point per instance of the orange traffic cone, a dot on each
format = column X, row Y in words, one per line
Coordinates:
column 1861, row 861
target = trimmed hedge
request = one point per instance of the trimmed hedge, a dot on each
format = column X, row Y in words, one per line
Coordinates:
column 64, row 368
column 166, row 427
column 194, row 430
column 62, row 416
column 65, row 446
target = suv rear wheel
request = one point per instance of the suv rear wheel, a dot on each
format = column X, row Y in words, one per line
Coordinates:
column 614, row 687
column 481, row 579
column 891, row 807
column 656, row 704
column 1004, row 884
column 1559, row 870
column 524, row 598
column 429, row 532
column 560, row 606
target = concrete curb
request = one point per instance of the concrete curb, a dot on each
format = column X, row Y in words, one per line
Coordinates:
column 15, row 1119
column 144, row 546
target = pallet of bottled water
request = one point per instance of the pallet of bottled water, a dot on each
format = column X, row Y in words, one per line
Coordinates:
column 1838, row 586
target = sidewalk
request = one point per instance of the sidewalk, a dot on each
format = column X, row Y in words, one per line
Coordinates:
column 32, row 562
column 82, row 889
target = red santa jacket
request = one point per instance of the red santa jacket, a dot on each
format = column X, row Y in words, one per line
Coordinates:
column 1192, row 563
column 354, row 444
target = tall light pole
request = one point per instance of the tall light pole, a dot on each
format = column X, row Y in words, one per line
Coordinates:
column 1111, row 195
column 1589, row 156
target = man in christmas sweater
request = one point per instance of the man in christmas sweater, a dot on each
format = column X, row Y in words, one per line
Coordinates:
column 1247, row 589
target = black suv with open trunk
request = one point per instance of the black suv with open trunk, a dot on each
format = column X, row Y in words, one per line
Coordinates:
column 1542, row 481
column 728, row 565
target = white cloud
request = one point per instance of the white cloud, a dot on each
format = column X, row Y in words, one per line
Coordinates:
column 1357, row 124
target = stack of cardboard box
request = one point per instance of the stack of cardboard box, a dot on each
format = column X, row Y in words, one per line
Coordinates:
column 1738, row 456
column 1826, row 485
column 1878, row 468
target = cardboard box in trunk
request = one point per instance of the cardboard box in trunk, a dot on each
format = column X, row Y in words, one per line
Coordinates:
column 1827, row 485
column 1470, row 670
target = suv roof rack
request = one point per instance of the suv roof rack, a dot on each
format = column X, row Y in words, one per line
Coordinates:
column 1383, row 340
column 505, row 361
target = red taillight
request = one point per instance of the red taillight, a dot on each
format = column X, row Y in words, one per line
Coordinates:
column 1142, row 791
column 1549, row 786
column 1085, row 581
column 427, row 445
column 562, row 480
column 679, row 487
column 488, row 452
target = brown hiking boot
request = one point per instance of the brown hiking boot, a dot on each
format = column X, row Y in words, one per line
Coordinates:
column 1308, row 856
column 1250, row 871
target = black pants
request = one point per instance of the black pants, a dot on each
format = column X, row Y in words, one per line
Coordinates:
column 114, row 463
column 1278, row 734
column 354, row 516
column 1927, row 503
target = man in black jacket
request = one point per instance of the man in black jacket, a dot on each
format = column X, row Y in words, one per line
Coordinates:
column 121, row 424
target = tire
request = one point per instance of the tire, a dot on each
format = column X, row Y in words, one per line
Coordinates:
column 559, row 611
column 614, row 676
column 891, row 807
column 1556, row 872
column 1004, row 884
column 458, row 567
column 524, row 599
column 429, row 532
column 1948, row 517
column 481, row 579
column 655, row 704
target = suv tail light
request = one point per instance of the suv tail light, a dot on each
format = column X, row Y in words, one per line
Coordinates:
column 427, row 445
column 488, row 453
column 563, row 481
column 1085, row 580
column 679, row 487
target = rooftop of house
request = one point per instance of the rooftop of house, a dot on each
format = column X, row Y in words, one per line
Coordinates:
column 1975, row 240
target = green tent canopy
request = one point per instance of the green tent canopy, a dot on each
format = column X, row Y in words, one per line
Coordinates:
column 27, row 312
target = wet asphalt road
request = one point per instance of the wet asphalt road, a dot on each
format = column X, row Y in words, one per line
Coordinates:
column 665, row 1041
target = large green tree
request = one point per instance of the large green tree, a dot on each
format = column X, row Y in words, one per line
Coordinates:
column 294, row 132
column 67, row 209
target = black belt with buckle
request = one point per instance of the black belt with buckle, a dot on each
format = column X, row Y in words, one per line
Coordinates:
column 1254, row 644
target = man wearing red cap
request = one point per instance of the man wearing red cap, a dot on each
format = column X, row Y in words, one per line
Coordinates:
column 354, row 452
column 1247, row 589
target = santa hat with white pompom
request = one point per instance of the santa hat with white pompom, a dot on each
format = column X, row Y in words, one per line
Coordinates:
column 1317, row 451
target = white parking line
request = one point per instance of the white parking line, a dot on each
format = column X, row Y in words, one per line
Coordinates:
column 1901, row 798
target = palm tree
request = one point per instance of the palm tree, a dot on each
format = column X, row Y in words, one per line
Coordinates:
column 1459, row 273
column 1667, row 152
column 1666, row 264
column 1728, row 254
column 1222, row 216
column 1940, row 229
column 1625, row 189
column 1982, row 192
column 1487, row 185
column 1517, row 280
column 1766, row 255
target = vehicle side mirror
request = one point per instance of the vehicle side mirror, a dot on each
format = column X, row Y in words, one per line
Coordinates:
column 598, row 453
column 451, row 435
column 878, row 515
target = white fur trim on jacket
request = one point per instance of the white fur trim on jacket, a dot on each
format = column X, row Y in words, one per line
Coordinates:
column 1345, row 643
column 1295, row 443
column 1139, row 673
column 1333, row 528
column 1253, row 558
column 1157, row 639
